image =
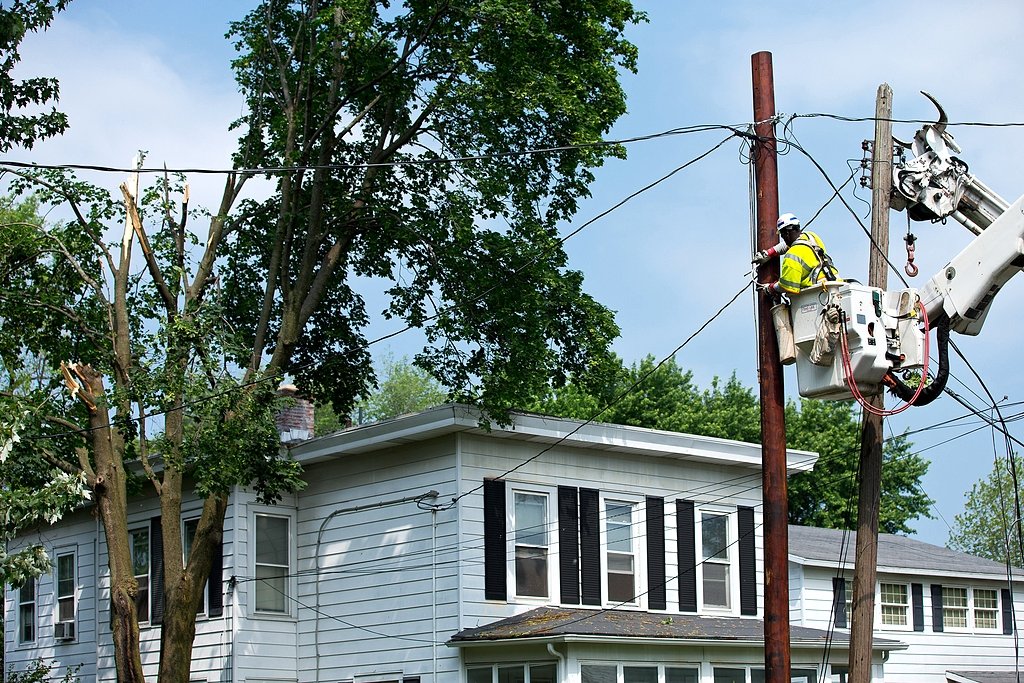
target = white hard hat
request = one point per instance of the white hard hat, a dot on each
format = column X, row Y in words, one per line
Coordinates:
column 788, row 220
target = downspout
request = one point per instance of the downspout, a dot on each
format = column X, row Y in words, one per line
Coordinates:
column 433, row 592
column 561, row 675
column 316, row 564
column 234, row 584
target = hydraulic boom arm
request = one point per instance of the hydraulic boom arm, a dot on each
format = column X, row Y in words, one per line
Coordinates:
column 934, row 185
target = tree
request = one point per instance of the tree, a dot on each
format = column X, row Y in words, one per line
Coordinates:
column 827, row 495
column 986, row 526
column 49, row 497
column 663, row 396
column 405, row 388
column 355, row 109
column 18, row 129
column 29, row 493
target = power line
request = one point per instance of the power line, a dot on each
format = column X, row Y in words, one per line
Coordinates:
column 407, row 328
column 422, row 161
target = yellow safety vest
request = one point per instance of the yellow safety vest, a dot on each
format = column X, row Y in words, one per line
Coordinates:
column 805, row 264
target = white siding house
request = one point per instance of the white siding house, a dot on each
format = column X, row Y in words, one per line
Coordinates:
column 427, row 549
column 955, row 612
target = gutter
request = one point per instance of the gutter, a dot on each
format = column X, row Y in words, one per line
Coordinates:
column 691, row 642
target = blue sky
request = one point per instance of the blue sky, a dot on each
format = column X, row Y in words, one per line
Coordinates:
column 155, row 76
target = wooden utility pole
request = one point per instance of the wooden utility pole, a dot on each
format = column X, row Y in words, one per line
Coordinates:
column 773, row 417
column 870, row 475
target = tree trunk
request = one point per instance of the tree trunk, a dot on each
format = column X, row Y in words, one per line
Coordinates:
column 183, row 594
column 109, row 489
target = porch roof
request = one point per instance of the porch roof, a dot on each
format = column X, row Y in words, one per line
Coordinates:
column 575, row 624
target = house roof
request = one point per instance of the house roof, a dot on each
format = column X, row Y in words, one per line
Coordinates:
column 896, row 554
column 542, row 430
column 575, row 624
column 983, row 676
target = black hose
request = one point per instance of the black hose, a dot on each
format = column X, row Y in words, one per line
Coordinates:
column 900, row 389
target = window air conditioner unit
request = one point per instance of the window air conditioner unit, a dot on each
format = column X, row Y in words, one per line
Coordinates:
column 64, row 630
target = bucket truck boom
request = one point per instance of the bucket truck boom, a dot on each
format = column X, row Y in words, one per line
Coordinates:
column 881, row 331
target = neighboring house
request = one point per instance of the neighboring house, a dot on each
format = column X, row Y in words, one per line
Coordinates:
column 954, row 611
column 427, row 549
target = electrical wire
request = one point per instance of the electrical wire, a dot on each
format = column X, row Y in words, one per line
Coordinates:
column 615, row 401
column 274, row 378
column 272, row 170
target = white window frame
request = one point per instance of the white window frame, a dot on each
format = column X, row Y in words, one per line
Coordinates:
column 149, row 568
column 733, row 563
column 637, row 535
column 58, row 554
column 526, row 666
column 948, row 609
column 186, row 548
column 20, row 601
column 661, row 666
column 291, row 584
column 748, row 670
column 551, row 533
column 908, row 624
column 997, row 613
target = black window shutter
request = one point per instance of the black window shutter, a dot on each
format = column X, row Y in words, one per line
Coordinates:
column 748, row 569
column 656, row 594
column 1007, row 600
column 215, row 582
column 495, row 550
column 569, row 545
column 917, row 602
column 839, row 601
column 937, row 608
column 590, row 547
column 156, row 571
column 686, row 545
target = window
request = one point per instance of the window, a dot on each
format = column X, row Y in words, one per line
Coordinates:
column 621, row 553
column 27, row 612
column 970, row 608
column 273, row 563
column 515, row 673
column 633, row 673
column 755, row 674
column 530, row 524
column 188, row 535
column 986, row 609
column 715, row 559
column 66, row 588
column 599, row 673
column 894, row 601
column 138, row 539
column 954, row 607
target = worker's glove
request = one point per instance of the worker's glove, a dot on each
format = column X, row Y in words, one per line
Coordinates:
column 760, row 257
column 765, row 289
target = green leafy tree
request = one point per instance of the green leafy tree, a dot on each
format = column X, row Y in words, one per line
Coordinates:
column 17, row 129
column 146, row 341
column 986, row 526
column 49, row 496
column 663, row 396
column 357, row 108
column 405, row 388
column 39, row 671
column 827, row 495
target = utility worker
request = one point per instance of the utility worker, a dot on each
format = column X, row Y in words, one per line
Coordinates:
column 804, row 260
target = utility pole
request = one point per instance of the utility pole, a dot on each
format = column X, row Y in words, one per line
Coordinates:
column 773, row 416
column 870, row 475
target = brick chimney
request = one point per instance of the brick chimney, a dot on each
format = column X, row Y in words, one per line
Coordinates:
column 295, row 421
